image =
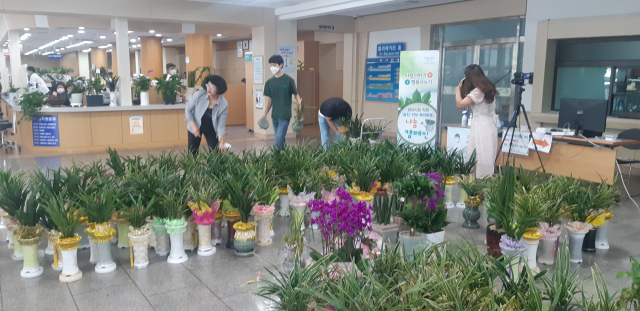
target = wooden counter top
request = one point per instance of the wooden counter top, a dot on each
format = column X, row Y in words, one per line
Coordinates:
column 17, row 108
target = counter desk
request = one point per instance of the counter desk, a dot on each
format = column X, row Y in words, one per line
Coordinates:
column 92, row 129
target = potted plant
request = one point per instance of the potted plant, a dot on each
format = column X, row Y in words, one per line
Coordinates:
column 65, row 215
column 354, row 126
column 13, row 92
column 139, row 233
column 241, row 192
column 13, row 195
column 299, row 109
column 584, row 201
column 263, row 210
column 158, row 225
column 99, row 206
column 175, row 204
column 52, row 233
column 168, row 87
column 317, row 182
column 77, row 92
column 501, row 193
column 141, row 86
column 463, row 169
column 531, row 205
column 111, row 83
column 471, row 213
column 293, row 242
column 29, row 235
column 602, row 241
column 204, row 205
column 383, row 209
column 552, row 193
column 192, row 81
column 603, row 198
column 94, row 89
column 30, row 104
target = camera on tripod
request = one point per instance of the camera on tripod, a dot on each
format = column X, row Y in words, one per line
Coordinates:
column 520, row 77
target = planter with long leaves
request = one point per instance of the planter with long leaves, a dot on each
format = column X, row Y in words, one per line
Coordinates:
column 65, row 215
column 501, row 193
column 138, row 232
column 141, row 86
column 94, row 89
column 204, row 217
column 241, row 193
column 548, row 242
column 122, row 226
column 192, row 81
column 99, row 206
column 168, row 87
column 29, row 235
column 111, row 84
column 601, row 236
column 175, row 205
column 14, row 193
column 471, row 213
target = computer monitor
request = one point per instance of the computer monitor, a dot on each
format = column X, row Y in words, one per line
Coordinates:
column 588, row 115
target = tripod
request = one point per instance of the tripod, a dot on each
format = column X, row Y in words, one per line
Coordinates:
column 517, row 109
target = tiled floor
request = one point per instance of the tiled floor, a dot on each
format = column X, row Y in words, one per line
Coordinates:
column 218, row 282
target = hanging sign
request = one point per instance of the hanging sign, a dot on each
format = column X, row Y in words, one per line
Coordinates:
column 45, row 131
column 56, row 56
column 390, row 49
column 418, row 97
column 288, row 53
column 382, row 79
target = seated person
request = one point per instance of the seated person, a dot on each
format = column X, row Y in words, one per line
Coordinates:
column 60, row 95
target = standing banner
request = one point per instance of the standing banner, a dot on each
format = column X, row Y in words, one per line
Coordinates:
column 418, row 97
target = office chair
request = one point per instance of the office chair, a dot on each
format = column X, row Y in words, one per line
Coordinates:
column 633, row 134
column 4, row 126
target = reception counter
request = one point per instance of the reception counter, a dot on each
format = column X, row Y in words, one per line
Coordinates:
column 89, row 129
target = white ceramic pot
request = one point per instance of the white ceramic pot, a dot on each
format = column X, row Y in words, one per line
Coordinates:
column 575, row 246
column 52, row 237
column 205, row 248
column 70, row 271
column 188, row 238
column 123, row 235
column 264, row 225
column 93, row 251
column 177, row 254
column 284, row 205
column 354, row 140
column 601, row 236
column 31, row 267
column 514, row 256
column 76, row 98
column 189, row 93
column 113, row 99
column 412, row 244
column 530, row 254
column 374, row 141
column 17, row 250
column 105, row 262
column 2, row 225
column 216, row 232
column 84, row 237
column 448, row 192
column 299, row 211
column 152, row 241
column 144, row 98
column 140, row 245
column 12, row 97
column 547, row 251
column 463, row 197
column 434, row 238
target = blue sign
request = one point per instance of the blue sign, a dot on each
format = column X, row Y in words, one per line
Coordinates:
column 45, row 131
column 390, row 49
column 58, row 56
column 382, row 79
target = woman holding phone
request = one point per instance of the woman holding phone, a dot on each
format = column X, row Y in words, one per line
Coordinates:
column 478, row 93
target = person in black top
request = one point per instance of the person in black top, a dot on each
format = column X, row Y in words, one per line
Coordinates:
column 330, row 111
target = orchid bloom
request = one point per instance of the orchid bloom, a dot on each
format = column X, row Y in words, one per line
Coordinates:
column 300, row 198
column 263, row 209
column 578, row 226
column 329, row 196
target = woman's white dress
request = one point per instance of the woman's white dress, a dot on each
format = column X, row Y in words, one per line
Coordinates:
column 483, row 137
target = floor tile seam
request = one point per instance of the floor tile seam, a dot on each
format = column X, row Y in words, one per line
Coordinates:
column 136, row 285
column 72, row 298
column 211, row 290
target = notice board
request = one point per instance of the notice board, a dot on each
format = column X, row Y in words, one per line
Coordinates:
column 45, row 131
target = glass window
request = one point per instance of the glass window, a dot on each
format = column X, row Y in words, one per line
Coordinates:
column 483, row 30
column 626, row 95
column 582, row 82
column 605, row 50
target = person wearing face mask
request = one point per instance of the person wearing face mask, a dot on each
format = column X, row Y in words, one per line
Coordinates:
column 35, row 82
column 60, row 94
column 206, row 113
column 277, row 93
column 172, row 71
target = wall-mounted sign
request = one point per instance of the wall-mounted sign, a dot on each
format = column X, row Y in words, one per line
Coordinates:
column 186, row 59
column 58, row 56
column 326, row 27
column 45, row 131
column 382, row 79
column 257, row 70
column 390, row 49
column 257, row 92
column 135, row 125
column 248, row 57
column 457, row 138
column 245, row 44
column 288, row 53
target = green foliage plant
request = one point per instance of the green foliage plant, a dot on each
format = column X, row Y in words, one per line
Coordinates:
column 30, row 104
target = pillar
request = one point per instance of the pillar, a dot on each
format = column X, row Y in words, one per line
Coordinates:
column 4, row 74
column 199, row 49
column 121, row 60
column 114, row 59
column 99, row 59
column 151, row 59
column 18, row 74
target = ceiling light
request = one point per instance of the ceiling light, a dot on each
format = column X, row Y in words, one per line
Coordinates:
column 31, row 52
column 80, row 27
column 80, row 31
column 169, row 39
column 102, row 47
column 26, row 29
column 158, row 35
column 87, row 50
column 103, row 37
column 57, row 50
column 130, row 31
column 132, row 40
column 219, row 35
column 69, row 36
column 61, row 48
column 152, row 31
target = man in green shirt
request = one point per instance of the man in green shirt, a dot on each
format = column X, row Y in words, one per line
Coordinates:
column 277, row 93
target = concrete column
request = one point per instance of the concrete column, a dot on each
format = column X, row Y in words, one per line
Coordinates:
column 199, row 49
column 114, row 59
column 98, row 59
column 18, row 74
column 4, row 73
column 121, row 56
column 137, row 69
column 84, row 67
column 151, row 59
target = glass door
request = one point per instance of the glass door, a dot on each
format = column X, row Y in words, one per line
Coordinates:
column 455, row 60
column 496, row 61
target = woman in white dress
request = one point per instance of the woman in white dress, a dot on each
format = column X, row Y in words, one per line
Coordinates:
column 478, row 93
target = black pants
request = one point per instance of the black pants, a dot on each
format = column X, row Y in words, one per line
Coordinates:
column 209, row 133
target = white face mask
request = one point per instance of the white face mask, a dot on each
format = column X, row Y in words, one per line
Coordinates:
column 61, row 90
column 274, row 69
column 173, row 71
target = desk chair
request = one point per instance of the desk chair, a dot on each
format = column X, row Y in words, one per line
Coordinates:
column 4, row 127
column 633, row 134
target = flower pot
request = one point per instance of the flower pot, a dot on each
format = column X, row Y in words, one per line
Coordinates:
column 30, row 267
column 177, row 254
column 216, row 231
column 531, row 240
column 389, row 233
column 232, row 217
column 601, row 236
column 123, row 234
column 589, row 241
column 493, row 241
column 144, row 98
column 513, row 257
column 412, row 244
column 354, row 140
column 297, row 126
column 300, row 208
column 169, row 99
column 76, row 99
column 114, row 240
column 113, row 99
column 52, row 237
column 205, row 248
column 95, row 100
column 140, row 245
column 264, row 226
column 84, row 239
column 2, row 225
column 102, row 236
column 575, row 246
column 284, row 204
column 152, row 240
column 162, row 240
column 461, row 200
column 471, row 214
column 68, row 248
column 189, row 93
column 17, row 249
column 188, row 238
column 434, row 238
column 244, row 239
column 12, row 97
column 546, row 251
column 448, row 192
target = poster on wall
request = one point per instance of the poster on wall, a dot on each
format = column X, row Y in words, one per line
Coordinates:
column 257, row 70
column 457, row 138
column 288, row 53
column 418, row 97
column 135, row 125
column 517, row 141
column 382, row 79
column 45, row 131
column 257, row 92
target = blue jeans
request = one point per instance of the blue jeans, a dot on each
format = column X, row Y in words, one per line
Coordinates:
column 280, row 127
column 325, row 131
